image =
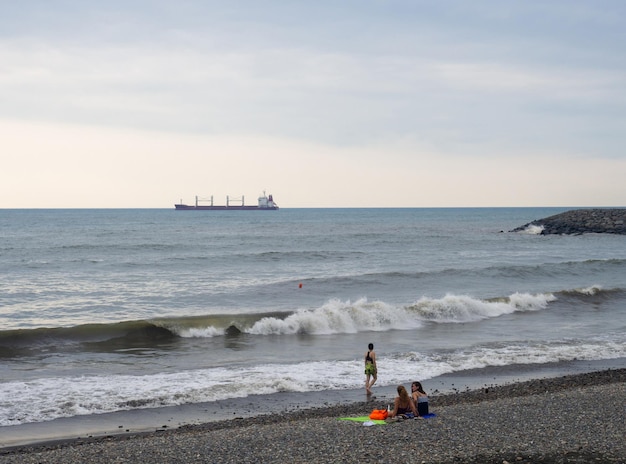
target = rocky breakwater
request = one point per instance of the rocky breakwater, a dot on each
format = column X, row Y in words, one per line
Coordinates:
column 580, row 221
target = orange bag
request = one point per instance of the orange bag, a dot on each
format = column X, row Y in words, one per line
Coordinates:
column 379, row 414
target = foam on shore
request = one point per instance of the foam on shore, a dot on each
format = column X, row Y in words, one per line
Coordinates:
column 241, row 410
column 575, row 418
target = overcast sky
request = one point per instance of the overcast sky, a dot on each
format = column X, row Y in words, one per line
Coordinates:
column 321, row 103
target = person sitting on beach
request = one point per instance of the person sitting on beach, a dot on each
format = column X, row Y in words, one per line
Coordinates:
column 402, row 405
column 370, row 368
column 420, row 398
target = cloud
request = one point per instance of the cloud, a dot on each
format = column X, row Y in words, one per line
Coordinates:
column 455, row 86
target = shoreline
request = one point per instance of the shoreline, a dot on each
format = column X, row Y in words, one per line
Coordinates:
column 579, row 416
column 164, row 418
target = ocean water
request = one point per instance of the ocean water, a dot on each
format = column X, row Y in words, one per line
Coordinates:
column 119, row 310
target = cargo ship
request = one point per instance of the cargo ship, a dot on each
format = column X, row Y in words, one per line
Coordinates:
column 265, row 203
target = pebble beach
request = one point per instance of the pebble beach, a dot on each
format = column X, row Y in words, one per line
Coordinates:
column 570, row 419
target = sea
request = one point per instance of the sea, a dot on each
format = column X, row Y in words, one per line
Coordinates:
column 105, row 311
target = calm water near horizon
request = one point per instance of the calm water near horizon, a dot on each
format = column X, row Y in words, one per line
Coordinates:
column 116, row 310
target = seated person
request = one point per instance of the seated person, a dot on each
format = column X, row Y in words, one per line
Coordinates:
column 402, row 405
column 420, row 398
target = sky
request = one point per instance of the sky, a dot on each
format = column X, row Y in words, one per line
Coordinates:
column 441, row 103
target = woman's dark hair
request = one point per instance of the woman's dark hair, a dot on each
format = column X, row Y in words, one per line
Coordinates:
column 419, row 387
column 371, row 346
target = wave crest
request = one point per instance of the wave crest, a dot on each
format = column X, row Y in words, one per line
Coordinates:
column 333, row 317
column 338, row 317
column 461, row 308
column 532, row 229
column 592, row 290
column 362, row 315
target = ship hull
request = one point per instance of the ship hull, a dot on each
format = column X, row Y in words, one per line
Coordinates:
column 223, row 208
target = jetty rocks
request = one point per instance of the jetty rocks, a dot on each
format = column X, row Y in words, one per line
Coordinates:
column 581, row 221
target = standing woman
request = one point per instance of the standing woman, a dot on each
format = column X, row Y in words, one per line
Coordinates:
column 370, row 368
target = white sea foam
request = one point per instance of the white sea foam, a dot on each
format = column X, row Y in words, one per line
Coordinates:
column 362, row 315
column 339, row 317
column 533, row 229
column 198, row 332
column 592, row 290
column 461, row 308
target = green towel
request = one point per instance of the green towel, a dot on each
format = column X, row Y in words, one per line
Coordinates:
column 362, row 419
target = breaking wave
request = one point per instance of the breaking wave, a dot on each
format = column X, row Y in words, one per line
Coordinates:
column 333, row 317
column 532, row 229
column 460, row 308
